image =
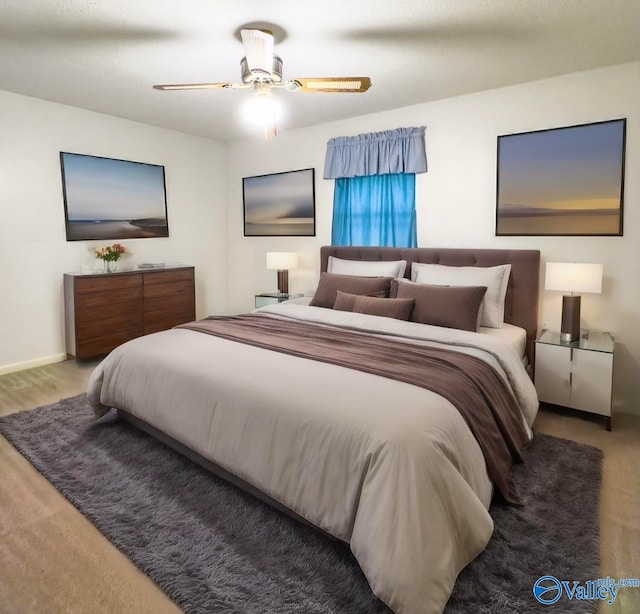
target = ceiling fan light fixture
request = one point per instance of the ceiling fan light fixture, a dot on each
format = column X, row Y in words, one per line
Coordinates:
column 264, row 110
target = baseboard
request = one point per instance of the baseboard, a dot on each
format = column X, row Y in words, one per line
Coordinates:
column 30, row 364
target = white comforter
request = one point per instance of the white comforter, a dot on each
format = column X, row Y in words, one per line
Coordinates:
column 388, row 467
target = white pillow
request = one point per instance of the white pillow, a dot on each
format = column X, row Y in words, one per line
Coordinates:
column 495, row 278
column 367, row 268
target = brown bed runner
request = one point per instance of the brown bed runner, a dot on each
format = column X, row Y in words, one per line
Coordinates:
column 479, row 393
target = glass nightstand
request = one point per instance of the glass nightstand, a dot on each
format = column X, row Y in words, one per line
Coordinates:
column 269, row 298
column 577, row 374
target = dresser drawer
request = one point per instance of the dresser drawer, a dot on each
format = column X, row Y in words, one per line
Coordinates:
column 95, row 302
column 107, row 283
column 96, row 346
column 108, row 324
column 165, row 312
column 163, row 320
column 104, row 310
column 183, row 301
column 152, row 291
column 167, row 277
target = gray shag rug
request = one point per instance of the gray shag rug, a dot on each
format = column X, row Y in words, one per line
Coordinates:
column 212, row 548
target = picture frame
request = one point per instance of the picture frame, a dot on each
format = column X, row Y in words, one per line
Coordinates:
column 280, row 204
column 111, row 199
column 566, row 181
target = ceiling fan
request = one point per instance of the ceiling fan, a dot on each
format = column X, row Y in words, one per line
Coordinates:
column 261, row 70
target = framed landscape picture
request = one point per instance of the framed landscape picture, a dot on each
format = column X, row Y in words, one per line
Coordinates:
column 106, row 198
column 280, row 204
column 562, row 181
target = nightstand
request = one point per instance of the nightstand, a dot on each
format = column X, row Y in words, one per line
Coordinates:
column 269, row 298
column 577, row 374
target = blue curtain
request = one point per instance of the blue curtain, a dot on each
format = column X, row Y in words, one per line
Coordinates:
column 378, row 210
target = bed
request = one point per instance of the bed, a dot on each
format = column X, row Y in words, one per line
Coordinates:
column 385, row 463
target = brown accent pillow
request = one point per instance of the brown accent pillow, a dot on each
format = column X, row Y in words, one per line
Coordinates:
column 449, row 306
column 345, row 301
column 398, row 308
column 330, row 283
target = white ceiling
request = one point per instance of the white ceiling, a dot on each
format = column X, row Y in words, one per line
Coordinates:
column 104, row 55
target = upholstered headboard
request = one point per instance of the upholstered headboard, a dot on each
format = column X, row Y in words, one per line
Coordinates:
column 521, row 303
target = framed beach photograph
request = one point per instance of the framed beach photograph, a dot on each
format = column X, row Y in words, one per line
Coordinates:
column 562, row 181
column 106, row 198
column 280, row 204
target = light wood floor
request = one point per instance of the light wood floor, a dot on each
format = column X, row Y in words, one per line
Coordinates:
column 54, row 560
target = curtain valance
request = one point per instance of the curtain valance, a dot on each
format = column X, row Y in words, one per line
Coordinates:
column 376, row 153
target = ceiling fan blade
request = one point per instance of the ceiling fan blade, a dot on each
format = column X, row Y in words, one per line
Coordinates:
column 202, row 86
column 337, row 85
column 258, row 47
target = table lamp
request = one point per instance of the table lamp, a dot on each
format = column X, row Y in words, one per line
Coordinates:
column 282, row 262
column 572, row 277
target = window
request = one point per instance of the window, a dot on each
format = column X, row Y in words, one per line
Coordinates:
column 375, row 210
column 374, row 200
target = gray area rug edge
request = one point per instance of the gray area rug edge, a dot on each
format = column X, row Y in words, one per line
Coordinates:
column 296, row 589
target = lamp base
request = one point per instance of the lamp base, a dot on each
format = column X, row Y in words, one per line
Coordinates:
column 283, row 282
column 570, row 327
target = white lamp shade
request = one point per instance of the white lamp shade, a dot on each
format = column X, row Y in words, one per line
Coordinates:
column 282, row 261
column 573, row 277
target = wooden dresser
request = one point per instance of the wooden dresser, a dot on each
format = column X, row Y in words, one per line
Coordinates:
column 103, row 311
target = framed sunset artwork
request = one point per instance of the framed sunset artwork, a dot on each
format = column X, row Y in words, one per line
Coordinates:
column 562, row 181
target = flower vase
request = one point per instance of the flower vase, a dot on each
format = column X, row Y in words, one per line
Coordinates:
column 110, row 266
